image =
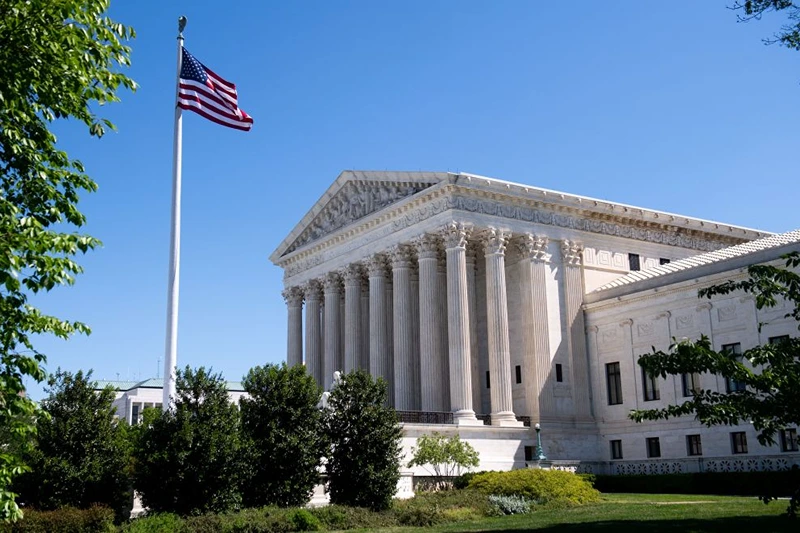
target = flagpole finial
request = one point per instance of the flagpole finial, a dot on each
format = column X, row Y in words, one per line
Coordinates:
column 181, row 25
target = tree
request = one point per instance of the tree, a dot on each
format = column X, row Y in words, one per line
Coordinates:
column 789, row 35
column 363, row 464
column 282, row 435
column 57, row 59
column 447, row 457
column 187, row 460
column 81, row 453
column 768, row 399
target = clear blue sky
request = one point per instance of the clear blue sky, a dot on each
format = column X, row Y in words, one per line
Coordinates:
column 657, row 104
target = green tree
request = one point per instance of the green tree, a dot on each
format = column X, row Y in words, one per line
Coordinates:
column 768, row 399
column 789, row 34
column 447, row 456
column 282, row 435
column 58, row 58
column 363, row 464
column 188, row 460
column 81, row 452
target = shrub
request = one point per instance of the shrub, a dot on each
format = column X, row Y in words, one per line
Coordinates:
column 462, row 481
column 302, row 520
column 447, row 457
column 539, row 486
column 157, row 523
column 341, row 517
column 65, row 520
column 505, row 505
column 431, row 508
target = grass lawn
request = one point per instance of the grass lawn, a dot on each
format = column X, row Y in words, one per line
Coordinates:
column 645, row 513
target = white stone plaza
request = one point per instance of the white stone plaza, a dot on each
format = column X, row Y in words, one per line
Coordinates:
column 489, row 306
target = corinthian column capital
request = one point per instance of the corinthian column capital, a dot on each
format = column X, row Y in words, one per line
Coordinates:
column 376, row 265
column 572, row 253
column 400, row 256
column 456, row 234
column 312, row 290
column 293, row 296
column 495, row 241
column 332, row 282
column 427, row 246
column 533, row 247
column 352, row 274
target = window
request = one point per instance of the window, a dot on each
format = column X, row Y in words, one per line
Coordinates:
column 559, row 373
column 693, row 445
column 519, row 373
column 779, row 339
column 663, row 261
column 650, row 387
column 488, row 382
column 616, row 449
column 633, row 260
column 789, row 440
column 731, row 385
column 653, row 447
column 529, row 453
column 691, row 383
column 739, row 442
column 614, row 380
column 135, row 414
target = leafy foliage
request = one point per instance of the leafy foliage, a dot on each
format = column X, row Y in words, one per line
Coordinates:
column 281, row 426
column 364, row 461
column 447, row 456
column 81, row 453
column 57, row 59
column 96, row 519
column 769, row 400
column 539, row 486
column 187, row 460
column 789, row 35
column 506, row 505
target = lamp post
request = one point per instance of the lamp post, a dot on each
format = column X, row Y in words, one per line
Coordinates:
column 540, row 456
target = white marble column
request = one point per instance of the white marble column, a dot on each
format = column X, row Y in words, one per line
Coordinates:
column 535, row 335
column 404, row 378
column 364, row 362
column 333, row 328
column 458, row 322
column 294, row 334
column 390, row 338
column 314, row 359
column 572, row 261
column 415, row 332
column 352, row 317
column 497, row 325
column 430, row 326
column 378, row 326
column 473, row 327
column 441, row 301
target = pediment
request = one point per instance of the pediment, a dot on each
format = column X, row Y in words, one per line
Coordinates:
column 353, row 196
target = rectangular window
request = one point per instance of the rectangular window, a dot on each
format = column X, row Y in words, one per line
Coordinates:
column 519, row 373
column 779, row 339
column 653, row 447
column 616, row 449
column 559, row 373
column 789, row 440
column 693, row 445
column 691, row 384
column 529, row 453
column 663, row 261
column 488, row 383
column 134, row 414
column 650, row 387
column 731, row 385
column 614, row 380
column 738, row 442
column 633, row 260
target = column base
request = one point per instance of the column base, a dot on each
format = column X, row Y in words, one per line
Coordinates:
column 506, row 419
column 466, row 417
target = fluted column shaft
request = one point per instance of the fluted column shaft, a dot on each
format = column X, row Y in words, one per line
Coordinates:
column 378, row 326
column 314, row 358
column 333, row 328
column 497, row 326
column 364, row 362
column 430, row 327
column 443, row 349
column 404, row 378
column 458, row 322
column 572, row 260
column 473, row 329
column 352, row 318
column 294, row 333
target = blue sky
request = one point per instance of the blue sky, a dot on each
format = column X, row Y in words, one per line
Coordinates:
column 656, row 104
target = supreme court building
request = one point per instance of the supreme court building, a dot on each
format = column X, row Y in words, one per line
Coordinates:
column 490, row 306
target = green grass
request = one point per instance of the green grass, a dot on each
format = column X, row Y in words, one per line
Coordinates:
column 644, row 513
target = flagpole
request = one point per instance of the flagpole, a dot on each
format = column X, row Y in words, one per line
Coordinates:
column 171, row 347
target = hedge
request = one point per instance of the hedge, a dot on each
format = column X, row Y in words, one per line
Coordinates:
column 539, row 486
column 780, row 484
column 65, row 520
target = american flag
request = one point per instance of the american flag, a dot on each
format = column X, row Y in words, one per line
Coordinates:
column 205, row 93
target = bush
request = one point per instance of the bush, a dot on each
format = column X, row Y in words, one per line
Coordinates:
column 302, row 520
column 157, row 523
column 65, row 520
column 505, row 505
column 431, row 508
column 462, row 481
column 539, row 486
column 342, row 517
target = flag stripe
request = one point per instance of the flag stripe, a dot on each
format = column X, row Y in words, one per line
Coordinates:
column 222, row 82
column 197, row 101
column 208, row 95
column 243, row 125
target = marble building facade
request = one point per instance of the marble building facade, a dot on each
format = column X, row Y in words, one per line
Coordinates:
column 471, row 297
